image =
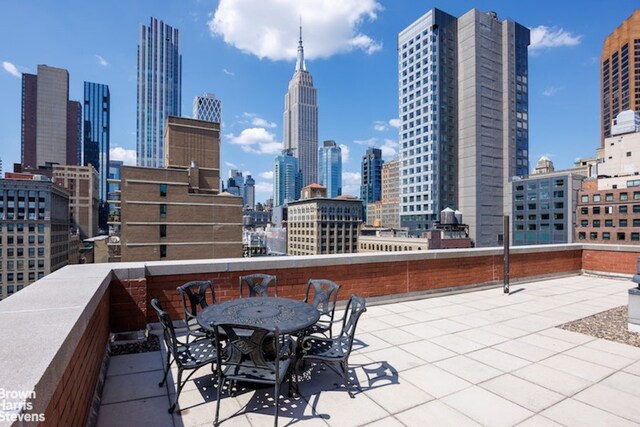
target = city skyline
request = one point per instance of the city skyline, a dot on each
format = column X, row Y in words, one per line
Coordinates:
column 354, row 64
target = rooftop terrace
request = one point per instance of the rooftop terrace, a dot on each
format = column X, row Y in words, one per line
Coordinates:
column 466, row 356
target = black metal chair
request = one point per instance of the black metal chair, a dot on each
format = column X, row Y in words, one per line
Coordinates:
column 258, row 285
column 246, row 358
column 195, row 292
column 322, row 294
column 336, row 350
column 188, row 356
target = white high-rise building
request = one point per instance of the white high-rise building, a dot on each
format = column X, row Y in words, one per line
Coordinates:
column 207, row 107
column 301, row 119
column 463, row 105
column 159, row 89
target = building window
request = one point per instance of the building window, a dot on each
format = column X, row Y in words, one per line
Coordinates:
column 593, row 235
column 636, row 222
column 558, row 227
column 163, row 190
column 596, row 210
column 584, row 199
column 635, row 236
column 596, row 197
column 163, row 210
column 636, row 195
column 608, row 223
column 624, row 196
column 606, row 236
column 621, row 236
column 596, row 223
column 636, row 208
column 608, row 197
column 163, row 230
column 163, row 251
column 584, row 223
column 622, row 209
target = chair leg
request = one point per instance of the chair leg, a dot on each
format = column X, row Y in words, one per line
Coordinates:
column 220, row 386
column 166, row 369
column 277, row 399
column 180, row 384
column 345, row 375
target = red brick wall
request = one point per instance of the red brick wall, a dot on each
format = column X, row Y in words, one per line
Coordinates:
column 614, row 262
column 71, row 401
column 131, row 309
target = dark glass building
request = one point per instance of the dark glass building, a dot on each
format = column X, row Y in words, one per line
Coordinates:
column 96, row 140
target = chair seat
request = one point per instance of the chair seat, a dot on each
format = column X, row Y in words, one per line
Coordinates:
column 318, row 328
column 325, row 348
column 254, row 374
column 197, row 353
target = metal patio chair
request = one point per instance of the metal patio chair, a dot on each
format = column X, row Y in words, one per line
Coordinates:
column 258, row 285
column 336, row 350
column 188, row 356
column 322, row 294
column 195, row 293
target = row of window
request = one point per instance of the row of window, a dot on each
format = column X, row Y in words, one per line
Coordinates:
column 542, row 184
column 19, row 277
column 542, row 206
column 19, row 240
column 608, row 197
column 596, row 223
column 19, row 264
column 19, row 252
column 596, row 210
column 21, row 227
column 11, row 289
column 543, row 227
column 606, row 235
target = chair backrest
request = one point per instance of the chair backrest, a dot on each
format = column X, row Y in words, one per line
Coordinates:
column 355, row 307
column 247, row 346
column 258, row 285
column 325, row 295
column 168, row 332
column 196, row 293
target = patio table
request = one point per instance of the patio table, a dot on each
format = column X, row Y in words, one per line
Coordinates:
column 289, row 316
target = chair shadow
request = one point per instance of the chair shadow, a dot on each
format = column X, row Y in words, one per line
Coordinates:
column 302, row 405
column 516, row 291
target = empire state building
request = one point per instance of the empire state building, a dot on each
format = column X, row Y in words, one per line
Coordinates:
column 301, row 119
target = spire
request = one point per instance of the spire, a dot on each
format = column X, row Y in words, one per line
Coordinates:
column 300, row 62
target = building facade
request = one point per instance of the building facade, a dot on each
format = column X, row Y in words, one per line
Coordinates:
column 207, row 107
column 81, row 182
column 544, row 208
column 324, row 226
column 330, row 168
column 249, row 193
column 34, row 230
column 97, row 123
column 159, row 91
column 287, row 179
column 464, row 118
column 371, row 175
column 301, row 119
column 114, row 192
column 51, row 124
column 620, row 72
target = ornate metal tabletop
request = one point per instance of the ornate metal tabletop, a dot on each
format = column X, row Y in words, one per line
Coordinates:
column 285, row 314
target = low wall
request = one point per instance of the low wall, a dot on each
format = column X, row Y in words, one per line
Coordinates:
column 368, row 275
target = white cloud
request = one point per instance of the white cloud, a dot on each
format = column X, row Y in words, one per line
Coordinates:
column 394, row 123
column 269, row 28
column 256, row 140
column 266, row 175
column 551, row 91
column 257, row 121
column 379, row 125
column 101, row 61
column 345, row 151
column 231, row 165
column 388, row 148
column 264, row 187
column 543, row 37
column 369, row 142
column 125, row 155
column 228, row 73
column 11, row 69
column 351, row 183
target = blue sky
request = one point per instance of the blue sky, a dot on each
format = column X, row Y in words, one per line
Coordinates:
column 244, row 52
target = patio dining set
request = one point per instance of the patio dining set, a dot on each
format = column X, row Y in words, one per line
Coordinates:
column 259, row 338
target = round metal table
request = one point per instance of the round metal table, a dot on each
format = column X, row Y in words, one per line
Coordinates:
column 289, row 316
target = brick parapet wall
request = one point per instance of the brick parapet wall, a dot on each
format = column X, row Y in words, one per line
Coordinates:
column 622, row 262
column 394, row 277
column 71, row 401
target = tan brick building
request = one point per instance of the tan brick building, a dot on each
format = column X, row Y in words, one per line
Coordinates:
column 82, row 184
column 386, row 212
column 177, row 213
column 324, row 226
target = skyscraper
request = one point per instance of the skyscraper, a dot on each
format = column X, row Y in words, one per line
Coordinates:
column 207, row 107
column 301, row 119
column 463, row 104
column 371, row 175
column 97, row 110
column 249, row 192
column 159, row 88
column 620, row 72
column 287, row 179
column 50, row 125
column 330, row 168
column 235, row 183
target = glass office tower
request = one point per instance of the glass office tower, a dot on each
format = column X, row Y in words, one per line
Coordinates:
column 330, row 168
